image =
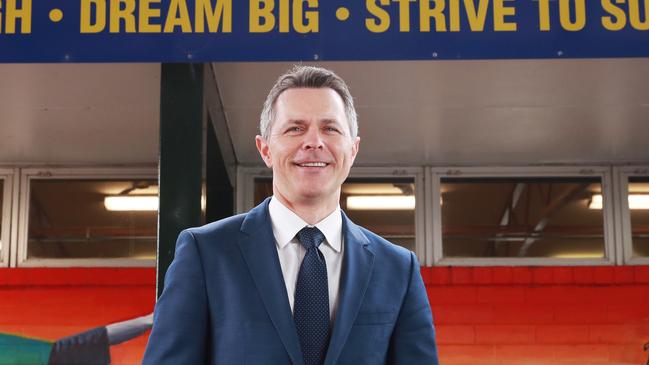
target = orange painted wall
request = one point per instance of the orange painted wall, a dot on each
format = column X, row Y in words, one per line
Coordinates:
column 54, row 303
column 494, row 315
column 545, row 315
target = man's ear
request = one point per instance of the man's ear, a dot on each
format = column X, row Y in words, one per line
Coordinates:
column 355, row 145
column 264, row 150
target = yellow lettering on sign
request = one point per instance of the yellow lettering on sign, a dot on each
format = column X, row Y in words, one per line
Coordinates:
column 117, row 13
column 257, row 13
column 565, row 14
column 618, row 19
column 476, row 18
column 404, row 15
column 178, row 16
column 382, row 21
column 436, row 12
column 634, row 15
column 96, row 25
column 13, row 13
column 454, row 15
column 221, row 14
column 500, row 12
column 146, row 13
column 311, row 16
column 283, row 16
column 544, row 15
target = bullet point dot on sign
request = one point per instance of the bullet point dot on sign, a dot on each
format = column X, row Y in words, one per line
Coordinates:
column 342, row 13
column 56, row 15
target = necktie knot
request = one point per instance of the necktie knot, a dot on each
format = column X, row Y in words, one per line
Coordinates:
column 310, row 237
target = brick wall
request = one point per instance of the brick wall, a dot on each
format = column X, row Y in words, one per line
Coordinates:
column 544, row 315
column 495, row 315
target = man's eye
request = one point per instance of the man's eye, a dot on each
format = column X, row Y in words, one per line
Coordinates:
column 294, row 129
column 331, row 129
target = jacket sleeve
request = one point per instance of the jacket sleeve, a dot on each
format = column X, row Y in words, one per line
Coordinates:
column 180, row 322
column 413, row 338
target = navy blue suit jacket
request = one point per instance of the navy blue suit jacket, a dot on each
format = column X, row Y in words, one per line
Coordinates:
column 225, row 301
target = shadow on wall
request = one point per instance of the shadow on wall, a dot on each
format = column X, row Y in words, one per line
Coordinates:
column 90, row 347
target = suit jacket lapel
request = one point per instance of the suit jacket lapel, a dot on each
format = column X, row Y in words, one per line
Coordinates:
column 358, row 260
column 259, row 252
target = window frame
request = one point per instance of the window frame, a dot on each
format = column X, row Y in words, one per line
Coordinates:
column 7, row 215
column 435, row 235
column 246, row 176
column 27, row 175
column 625, row 237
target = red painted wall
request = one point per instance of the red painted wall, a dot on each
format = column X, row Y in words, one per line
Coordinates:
column 54, row 303
column 545, row 315
column 496, row 315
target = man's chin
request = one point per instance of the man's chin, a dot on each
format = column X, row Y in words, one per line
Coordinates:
column 315, row 195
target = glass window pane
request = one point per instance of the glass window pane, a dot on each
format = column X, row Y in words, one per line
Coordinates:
column 639, row 210
column 522, row 217
column 385, row 206
column 73, row 219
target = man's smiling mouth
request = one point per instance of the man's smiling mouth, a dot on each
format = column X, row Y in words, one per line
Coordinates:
column 312, row 164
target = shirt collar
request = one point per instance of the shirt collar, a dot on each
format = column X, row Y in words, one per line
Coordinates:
column 286, row 224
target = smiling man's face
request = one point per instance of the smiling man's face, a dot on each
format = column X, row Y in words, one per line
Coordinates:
column 310, row 148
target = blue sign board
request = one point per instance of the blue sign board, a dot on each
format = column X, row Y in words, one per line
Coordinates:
column 293, row 30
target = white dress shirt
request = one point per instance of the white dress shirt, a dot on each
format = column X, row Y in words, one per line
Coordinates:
column 286, row 224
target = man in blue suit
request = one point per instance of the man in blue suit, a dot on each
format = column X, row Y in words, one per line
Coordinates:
column 294, row 281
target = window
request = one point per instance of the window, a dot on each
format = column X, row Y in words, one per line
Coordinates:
column 638, row 204
column 527, row 217
column 381, row 200
column 6, row 197
column 2, row 224
column 384, row 206
column 97, row 217
column 634, row 204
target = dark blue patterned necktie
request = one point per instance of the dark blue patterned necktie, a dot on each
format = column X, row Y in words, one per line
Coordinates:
column 311, row 308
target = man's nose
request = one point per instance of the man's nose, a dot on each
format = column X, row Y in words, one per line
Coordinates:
column 313, row 139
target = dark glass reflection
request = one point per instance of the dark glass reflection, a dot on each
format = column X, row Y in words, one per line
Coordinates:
column 521, row 217
column 2, row 189
column 68, row 219
column 639, row 217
